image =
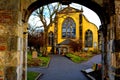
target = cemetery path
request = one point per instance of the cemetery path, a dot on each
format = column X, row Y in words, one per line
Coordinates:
column 61, row 68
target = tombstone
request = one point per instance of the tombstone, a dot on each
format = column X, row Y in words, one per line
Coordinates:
column 34, row 54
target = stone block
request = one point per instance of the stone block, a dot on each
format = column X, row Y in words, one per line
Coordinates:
column 9, row 4
column 1, row 73
column 2, row 48
column 12, row 43
column 2, row 39
column 8, row 17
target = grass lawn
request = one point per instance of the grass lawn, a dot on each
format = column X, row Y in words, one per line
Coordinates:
column 32, row 75
column 40, row 61
column 75, row 58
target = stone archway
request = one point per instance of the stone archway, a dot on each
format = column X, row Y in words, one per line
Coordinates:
column 90, row 4
column 14, row 16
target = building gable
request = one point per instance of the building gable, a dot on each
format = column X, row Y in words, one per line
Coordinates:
column 69, row 10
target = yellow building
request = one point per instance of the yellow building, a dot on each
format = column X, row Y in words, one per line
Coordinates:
column 72, row 25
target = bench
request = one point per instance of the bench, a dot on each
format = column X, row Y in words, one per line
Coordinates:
column 93, row 73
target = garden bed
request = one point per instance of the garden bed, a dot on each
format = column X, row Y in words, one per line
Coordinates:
column 38, row 62
column 33, row 75
column 74, row 58
column 78, row 57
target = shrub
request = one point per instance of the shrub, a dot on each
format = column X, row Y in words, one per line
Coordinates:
column 76, row 46
column 75, row 58
column 40, row 61
column 95, row 52
column 32, row 75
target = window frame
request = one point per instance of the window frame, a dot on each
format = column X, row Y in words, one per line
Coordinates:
column 70, row 24
column 89, row 35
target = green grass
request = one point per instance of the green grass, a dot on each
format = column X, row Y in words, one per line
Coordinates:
column 32, row 75
column 75, row 58
column 44, row 60
column 29, row 56
column 40, row 61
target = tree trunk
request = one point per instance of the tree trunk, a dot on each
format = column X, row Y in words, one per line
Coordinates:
column 45, row 53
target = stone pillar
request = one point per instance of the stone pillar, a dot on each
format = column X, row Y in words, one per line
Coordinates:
column 11, row 46
column 25, row 41
column 11, row 40
column 101, row 50
column 117, row 40
column 3, row 49
column 110, row 48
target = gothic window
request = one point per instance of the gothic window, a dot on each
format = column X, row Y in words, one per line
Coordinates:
column 88, row 38
column 50, row 38
column 68, row 28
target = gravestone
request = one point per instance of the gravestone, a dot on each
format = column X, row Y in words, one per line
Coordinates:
column 34, row 54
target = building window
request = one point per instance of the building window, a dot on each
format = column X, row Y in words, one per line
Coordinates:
column 68, row 28
column 88, row 38
column 50, row 38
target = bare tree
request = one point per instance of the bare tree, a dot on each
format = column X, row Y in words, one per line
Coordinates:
column 45, row 12
column 35, row 40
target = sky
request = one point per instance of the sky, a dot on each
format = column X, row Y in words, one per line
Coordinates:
column 89, row 14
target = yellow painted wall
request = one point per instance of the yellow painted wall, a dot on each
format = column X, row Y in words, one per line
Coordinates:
column 85, row 26
column 51, row 28
column 49, row 49
column 62, row 17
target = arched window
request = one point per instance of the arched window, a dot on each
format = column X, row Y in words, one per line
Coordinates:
column 50, row 38
column 68, row 28
column 88, row 38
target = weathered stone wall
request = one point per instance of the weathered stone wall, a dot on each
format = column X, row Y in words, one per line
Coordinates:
column 9, row 4
column 113, row 45
column 24, row 6
column 117, row 44
column 11, row 40
column 110, row 49
column 13, row 43
column 117, row 11
column 100, row 2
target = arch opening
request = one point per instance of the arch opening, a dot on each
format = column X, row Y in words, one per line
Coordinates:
column 90, row 4
column 98, row 10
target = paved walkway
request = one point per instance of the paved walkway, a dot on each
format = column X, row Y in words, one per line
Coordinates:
column 61, row 68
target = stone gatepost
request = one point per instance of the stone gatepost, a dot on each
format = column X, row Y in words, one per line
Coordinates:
column 24, row 56
column 11, row 40
column 117, row 41
column 113, row 45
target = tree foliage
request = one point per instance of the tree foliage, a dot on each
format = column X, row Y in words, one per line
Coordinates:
column 46, row 16
column 76, row 46
column 51, row 12
column 36, row 40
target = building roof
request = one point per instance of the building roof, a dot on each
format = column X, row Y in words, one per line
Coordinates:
column 66, row 42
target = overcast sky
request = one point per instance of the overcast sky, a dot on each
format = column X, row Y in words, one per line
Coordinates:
column 89, row 14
